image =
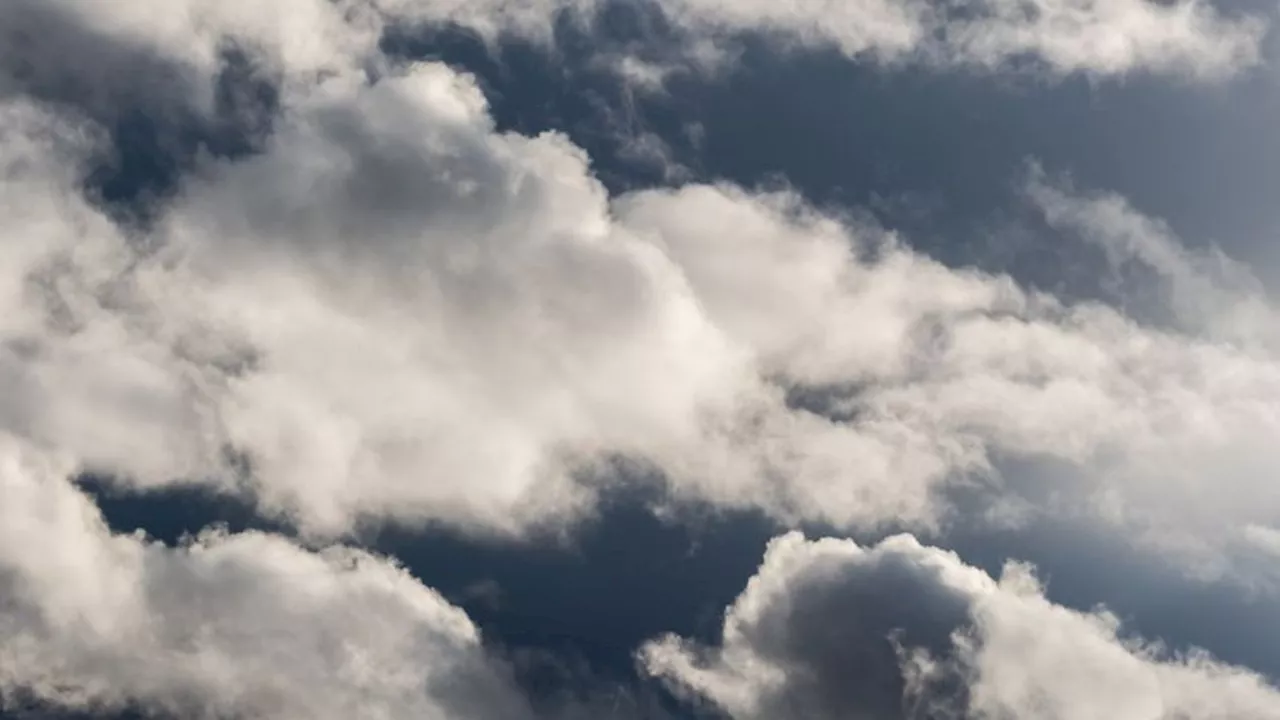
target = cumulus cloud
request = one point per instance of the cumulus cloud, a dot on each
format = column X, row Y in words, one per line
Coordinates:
column 96, row 375
column 395, row 311
column 829, row 629
column 455, row 318
column 926, row 376
column 224, row 626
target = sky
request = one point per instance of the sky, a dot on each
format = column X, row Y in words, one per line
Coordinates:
column 639, row 359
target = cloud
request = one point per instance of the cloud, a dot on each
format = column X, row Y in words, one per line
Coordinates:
column 456, row 318
column 134, row 51
column 925, row 377
column 1188, row 38
column 1205, row 293
column 394, row 311
column 246, row 625
column 169, row 60
column 391, row 310
column 829, row 629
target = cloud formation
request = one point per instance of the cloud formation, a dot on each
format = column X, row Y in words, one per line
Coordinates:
column 390, row 310
column 829, row 629
column 246, row 625
column 395, row 311
column 130, row 52
column 926, row 376
column 1189, row 39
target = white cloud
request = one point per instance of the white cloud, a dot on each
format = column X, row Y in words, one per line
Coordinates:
column 95, row 375
column 1187, row 38
column 881, row 28
column 828, row 629
column 452, row 317
column 938, row 372
column 226, row 626
column 396, row 312
column 169, row 54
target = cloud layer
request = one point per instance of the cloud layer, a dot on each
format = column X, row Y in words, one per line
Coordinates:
column 389, row 310
column 395, row 311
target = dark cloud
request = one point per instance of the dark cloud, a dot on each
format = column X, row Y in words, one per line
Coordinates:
column 828, row 629
column 159, row 109
column 51, row 52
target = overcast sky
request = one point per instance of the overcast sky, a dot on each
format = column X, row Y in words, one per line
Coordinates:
column 639, row 359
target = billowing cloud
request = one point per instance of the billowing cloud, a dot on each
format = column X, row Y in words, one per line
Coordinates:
column 455, row 321
column 829, row 629
column 925, row 376
column 225, row 626
column 95, row 375
column 395, row 311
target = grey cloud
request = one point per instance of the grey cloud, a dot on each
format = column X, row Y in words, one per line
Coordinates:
column 1188, row 39
column 51, row 52
column 136, row 53
column 828, row 629
column 96, row 54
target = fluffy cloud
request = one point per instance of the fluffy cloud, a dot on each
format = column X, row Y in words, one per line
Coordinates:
column 828, row 629
column 445, row 320
column 394, row 311
column 171, row 54
column 96, row 375
column 923, row 377
column 225, row 626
